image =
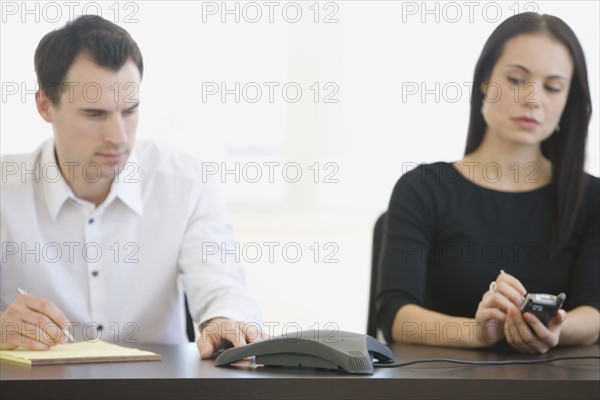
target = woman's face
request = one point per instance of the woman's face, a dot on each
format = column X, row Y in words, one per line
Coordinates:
column 527, row 90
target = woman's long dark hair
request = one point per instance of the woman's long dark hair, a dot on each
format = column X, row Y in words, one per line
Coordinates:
column 564, row 148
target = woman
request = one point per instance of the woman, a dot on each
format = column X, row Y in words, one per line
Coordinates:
column 519, row 202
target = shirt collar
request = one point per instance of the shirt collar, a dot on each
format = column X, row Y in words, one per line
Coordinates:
column 55, row 189
column 127, row 185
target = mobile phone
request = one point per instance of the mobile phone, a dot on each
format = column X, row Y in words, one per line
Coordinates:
column 543, row 306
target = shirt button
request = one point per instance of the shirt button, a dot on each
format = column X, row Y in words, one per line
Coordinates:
column 94, row 273
column 91, row 221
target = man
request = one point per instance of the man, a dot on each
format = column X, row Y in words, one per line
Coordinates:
column 103, row 234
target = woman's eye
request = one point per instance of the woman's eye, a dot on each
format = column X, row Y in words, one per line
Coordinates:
column 552, row 89
column 515, row 81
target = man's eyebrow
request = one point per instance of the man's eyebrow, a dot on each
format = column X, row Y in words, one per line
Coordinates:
column 92, row 110
column 133, row 107
column 99, row 110
column 529, row 72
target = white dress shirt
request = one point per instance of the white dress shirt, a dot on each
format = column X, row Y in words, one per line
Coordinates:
column 117, row 270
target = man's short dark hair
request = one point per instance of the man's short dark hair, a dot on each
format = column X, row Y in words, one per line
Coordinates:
column 106, row 43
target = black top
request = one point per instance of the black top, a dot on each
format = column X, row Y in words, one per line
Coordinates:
column 447, row 238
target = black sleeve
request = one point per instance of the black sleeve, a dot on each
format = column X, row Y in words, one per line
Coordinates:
column 585, row 279
column 406, row 242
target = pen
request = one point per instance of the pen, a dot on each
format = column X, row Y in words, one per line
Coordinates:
column 65, row 331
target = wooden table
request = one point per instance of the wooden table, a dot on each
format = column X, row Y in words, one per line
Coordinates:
column 181, row 375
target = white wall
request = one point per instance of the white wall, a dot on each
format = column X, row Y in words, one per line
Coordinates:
column 362, row 57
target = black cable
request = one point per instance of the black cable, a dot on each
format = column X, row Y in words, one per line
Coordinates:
column 506, row 362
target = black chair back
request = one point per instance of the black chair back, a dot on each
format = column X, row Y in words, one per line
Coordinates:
column 375, row 255
column 189, row 324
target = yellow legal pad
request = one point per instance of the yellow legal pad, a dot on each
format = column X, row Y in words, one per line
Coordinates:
column 79, row 352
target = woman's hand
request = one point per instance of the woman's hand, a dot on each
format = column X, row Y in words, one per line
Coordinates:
column 528, row 334
column 504, row 294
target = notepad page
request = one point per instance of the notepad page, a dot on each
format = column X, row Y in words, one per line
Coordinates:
column 78, row 350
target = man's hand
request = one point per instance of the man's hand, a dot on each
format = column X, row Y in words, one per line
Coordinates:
column 32, row 323
column 218, row 331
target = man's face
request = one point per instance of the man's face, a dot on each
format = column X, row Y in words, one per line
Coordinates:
column 95, row 120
